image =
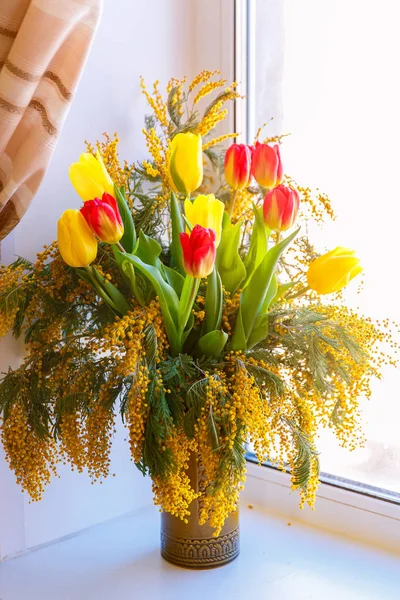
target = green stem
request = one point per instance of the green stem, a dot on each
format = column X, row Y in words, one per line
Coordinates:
column 100, row 290
column 132, row 278
column 278, row 237
column 182, row 204
column 188, row 223
column 134, row 286
column 232, row 202
column 188, row 296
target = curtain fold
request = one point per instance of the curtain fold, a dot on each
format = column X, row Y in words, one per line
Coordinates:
column 43, row 47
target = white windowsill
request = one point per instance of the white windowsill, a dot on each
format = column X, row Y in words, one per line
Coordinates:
column 372, row 521
column 120, row 560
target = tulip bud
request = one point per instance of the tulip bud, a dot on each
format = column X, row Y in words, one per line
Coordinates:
column 266, row 165
column 333, row 271
column 90, row 178
column 186, row 163
column 104, row 219
column 198, row 251
column 280, row 208
column 76, row 242
column 238, row 166
column 206, row 211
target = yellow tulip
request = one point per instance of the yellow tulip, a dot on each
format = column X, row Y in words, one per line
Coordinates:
column 90, row 178
column 186, row 163
column 206, row 211
column 76, row 242
column 333, row 271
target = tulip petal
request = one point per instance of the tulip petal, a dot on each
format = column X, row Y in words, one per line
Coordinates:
column 109, row 185
column 186, row 162
column 186, row 252
column 112, row 203
column 86, row 187
column 280, row 208
column 90, row 177
column 206, row 211
column 265, row 164
column 237, row 166
column 77, row 245
column 103, row 221
column 332, row 271
column 198, row 251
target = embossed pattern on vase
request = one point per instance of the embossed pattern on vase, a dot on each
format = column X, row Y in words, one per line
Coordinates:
column 192, row 545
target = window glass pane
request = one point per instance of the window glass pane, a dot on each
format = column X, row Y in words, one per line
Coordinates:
column 327, row 72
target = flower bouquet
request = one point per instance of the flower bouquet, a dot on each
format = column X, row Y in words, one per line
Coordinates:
column 185, row 296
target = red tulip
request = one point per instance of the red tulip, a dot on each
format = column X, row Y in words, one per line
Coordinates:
column 104, row 218
column 266, row 165
column 238, row 166
column 280, row 208
column 198, row 251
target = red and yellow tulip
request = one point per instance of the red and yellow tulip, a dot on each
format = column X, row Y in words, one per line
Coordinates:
column 238, row 166
column 104, row 219
column 280, row 208
column 266, row 165
column 76, row 242
column 198, row 251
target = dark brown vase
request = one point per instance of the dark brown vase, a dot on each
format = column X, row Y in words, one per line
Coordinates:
column 192, row 545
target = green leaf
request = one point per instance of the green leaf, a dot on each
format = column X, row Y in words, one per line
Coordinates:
column 189, row 292
column 174, row 278
column 167, row 296
column 212, row 343
column 260, row 331
column 128, row 240
column 239, row 341
column 148, row 250
column 150, row 345
column 212, row 430
column 129, row 272
column 213, row 302
column 188, row 328
column 258, row 244
column 270, row 295
column 228, row 262
column 188, row 223
column 306, row 459
column 177, row 228
column 282, row 289
column 108, row 291
column 253, row 297
column 195, row 400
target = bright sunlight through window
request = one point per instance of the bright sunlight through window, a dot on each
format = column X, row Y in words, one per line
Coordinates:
column 327, row 72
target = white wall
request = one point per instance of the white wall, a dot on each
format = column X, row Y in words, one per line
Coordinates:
column 152, row 38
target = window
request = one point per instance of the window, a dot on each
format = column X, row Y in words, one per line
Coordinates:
column 327, row 72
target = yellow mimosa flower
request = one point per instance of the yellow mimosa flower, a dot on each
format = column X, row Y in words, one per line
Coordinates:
column 206, row 211
column 186, row 163
column 76, row 242
column 333, row 271
column 90, row 178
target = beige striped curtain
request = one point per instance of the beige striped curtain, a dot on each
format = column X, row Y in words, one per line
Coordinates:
column 43, row 46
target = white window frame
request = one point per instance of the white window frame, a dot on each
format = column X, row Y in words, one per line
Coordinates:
column 355, row 512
